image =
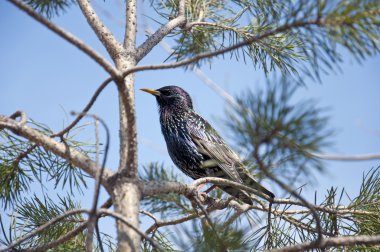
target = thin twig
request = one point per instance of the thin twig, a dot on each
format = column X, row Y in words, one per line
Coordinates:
column 348, row 241
column 363, row 157
column 67, row 36
column 70, row 126
column 126, row 222
column 217, row 205
column 92, row 222
column 156, row 220
column 221, row 181
column 97, row 230
column 298, row 196
column 207, row 217
column 86, row 109
column 303, row 226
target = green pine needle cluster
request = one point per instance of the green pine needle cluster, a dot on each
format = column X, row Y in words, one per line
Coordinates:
column 368, row 200
column 296, row 38
column 166, row 204
column 34, row 212
column 278, row 134
column 50, row 8
column 22, row 163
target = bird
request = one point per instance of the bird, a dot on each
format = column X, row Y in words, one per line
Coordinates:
column 196, row 148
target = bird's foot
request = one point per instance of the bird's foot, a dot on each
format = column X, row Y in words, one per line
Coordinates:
column 202, row 196
column 210, row 189
column 200, row 187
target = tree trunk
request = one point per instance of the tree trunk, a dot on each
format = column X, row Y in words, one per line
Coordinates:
column 126, row 196
column 126, row 193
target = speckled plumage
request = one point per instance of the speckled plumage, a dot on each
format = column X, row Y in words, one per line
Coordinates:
column 194, row 145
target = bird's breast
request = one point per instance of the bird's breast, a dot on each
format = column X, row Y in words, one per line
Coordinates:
column 181, row 147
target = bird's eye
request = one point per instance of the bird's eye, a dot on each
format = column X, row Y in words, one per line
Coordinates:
column 165, row 92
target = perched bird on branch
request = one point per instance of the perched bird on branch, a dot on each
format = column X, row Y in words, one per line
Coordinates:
column 194, row 145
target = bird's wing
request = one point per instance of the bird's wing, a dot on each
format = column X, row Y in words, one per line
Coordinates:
column 211, row 144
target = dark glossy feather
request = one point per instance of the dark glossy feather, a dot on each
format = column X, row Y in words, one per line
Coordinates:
column 194, row 145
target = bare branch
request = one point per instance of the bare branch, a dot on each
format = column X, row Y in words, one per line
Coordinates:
column 150, row 215
column 130, row 28
column 164, row 30
column 126, row 222
column 67, row 36
column 71, row 155
column 156, row 37
column 216, row 205
column 114, row 48
column 155, row 188
column 163, row 187
column 93, row 218
column 303, row 226
column 226, row 182
column 363, row 157
column 334, row 242
column 70, row 126
column 86, row 109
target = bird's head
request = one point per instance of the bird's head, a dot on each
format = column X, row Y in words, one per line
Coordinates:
column 171, row 97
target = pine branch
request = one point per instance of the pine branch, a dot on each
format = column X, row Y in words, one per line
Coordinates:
column 253, row 39
column 346, row 241
column 99, row 212
column 60, row 149
column 277, row 39
column 68, row 236
column 43, row 227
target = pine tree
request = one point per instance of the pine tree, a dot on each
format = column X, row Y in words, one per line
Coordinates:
column 293, row 40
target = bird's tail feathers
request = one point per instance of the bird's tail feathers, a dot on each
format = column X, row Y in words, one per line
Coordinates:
column 241, row 195
column 250, row 181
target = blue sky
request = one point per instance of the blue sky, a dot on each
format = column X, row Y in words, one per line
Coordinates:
column 47, row 78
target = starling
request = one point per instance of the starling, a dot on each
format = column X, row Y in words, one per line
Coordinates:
column 194, row 145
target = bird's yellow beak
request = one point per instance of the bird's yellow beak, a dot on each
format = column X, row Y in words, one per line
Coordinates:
column 151, row 91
